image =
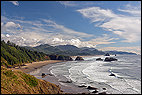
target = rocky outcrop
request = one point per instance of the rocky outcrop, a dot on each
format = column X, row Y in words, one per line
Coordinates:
column 78, row 58
column 112, row 74
column 99, row 59
column 110, row 59
column 60, row 57
column 102, row 93
column 91, row 88
column 95, row 91
column 43, row 75
column 107, row 54
column 53, row 57
column 68, row 58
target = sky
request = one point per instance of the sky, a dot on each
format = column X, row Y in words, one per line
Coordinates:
column 104, row 25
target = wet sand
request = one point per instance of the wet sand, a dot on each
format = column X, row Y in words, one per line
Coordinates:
column 29, row 67
column 66, row 87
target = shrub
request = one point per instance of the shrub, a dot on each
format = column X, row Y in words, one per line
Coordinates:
column 30, row 80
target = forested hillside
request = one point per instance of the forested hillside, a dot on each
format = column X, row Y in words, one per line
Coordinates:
column 17, row 82
column 68, row 50
column 13, row 55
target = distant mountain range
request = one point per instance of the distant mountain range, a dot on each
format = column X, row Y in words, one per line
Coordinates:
column 71, row 50
column 119, row 52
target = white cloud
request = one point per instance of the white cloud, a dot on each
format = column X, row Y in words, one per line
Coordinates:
column 97, row 14
column 68, row 3
column 10, row 27
column 34, row 33
column 127, row 27
column 78, row 4
column 104, row 39
column 134, row 10
column 47, row 32
column 15, row 3
column 11, row 24
column 57, row 40
column 75, row 42
column 7, row 35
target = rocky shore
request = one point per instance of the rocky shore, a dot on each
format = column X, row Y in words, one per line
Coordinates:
column 67, row 86
column 70, row 89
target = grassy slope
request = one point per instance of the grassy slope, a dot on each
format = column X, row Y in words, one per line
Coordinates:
column 17, row 82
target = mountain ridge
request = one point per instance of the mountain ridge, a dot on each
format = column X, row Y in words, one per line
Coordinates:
column 71, row 50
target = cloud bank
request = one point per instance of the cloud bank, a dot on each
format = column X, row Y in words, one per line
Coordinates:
column 127, row 27
column 44, row 31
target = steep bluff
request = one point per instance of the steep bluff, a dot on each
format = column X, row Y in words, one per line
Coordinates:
column 17, row 82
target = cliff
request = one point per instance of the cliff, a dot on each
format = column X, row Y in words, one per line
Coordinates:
column 17, row 82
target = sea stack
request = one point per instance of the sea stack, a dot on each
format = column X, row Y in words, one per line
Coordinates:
column 78, row 58
column 110, row 59
column 107, row 54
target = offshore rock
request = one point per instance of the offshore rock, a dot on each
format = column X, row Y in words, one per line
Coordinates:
column 107, row 54
column 110, row 59
column 112, row 74
column 99, row 59
column 43, row 75
column 91, row 88
column 78, row 58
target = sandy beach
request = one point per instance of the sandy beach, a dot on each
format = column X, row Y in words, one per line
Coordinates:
column 29, row 67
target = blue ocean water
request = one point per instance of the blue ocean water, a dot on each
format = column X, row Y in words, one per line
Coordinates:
column 127, row 70
column 96, row 73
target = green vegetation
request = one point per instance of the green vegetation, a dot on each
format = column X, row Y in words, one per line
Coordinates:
column 17, row 82
column 10, row 74
column 68, row 50
column 14, row 55
column 30, row 80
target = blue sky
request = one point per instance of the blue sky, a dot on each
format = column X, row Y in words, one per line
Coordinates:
column 105, row 25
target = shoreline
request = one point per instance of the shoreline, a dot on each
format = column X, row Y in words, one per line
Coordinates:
column 70, row 89
column 29, row 67
column 67, row 88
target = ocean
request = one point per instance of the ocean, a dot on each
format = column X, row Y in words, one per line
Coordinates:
column 127, row 71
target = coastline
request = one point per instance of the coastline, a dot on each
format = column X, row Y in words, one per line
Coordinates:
column 29, row 67
column 70, row 88
column 67, row 88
